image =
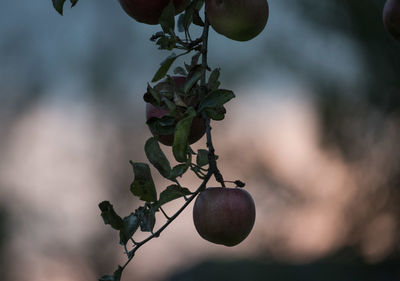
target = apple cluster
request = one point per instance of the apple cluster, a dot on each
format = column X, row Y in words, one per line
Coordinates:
column 239, row 20
column 391, row 18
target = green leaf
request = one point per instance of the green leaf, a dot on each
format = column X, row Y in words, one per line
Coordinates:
column 58, row 5
column 172, row 192
column 147, row 218
column 154, row 93
column 193, row 80
column 217, row 113
column 202, row 157
column 216, row 99
column 167, row 18
column 115, row 277
column 171, row 106
column 213, row 82
column 129, row 226
column 143, row 185
column 180, row 145
column 162, row 126
column 180, row 70
column 110, row 216
column 178, row 171
column 165, row 66
column 157, row 157
column 195, row 59
column 166, row 43
column 198, row 4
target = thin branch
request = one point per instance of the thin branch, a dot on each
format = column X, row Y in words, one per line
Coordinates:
column 158, row 232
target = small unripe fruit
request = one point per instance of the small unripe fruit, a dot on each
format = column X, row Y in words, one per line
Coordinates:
column 239, row 20
column 224, row 215
column 149, row 11
column 391, row 18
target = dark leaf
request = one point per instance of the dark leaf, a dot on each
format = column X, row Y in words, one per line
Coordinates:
column 172, row 192
column 197, row 19
column 171, row 106
column 240, row 183
column 147, row 218
column 213, row 82
column 58, row 5
column 154, row 93
column 157, row 157
column 167, row 18
column 165, row 65
column 166, row 43
column 115, row 277
column 180, row 145
column 178, row 171
column 195, row 59
column 188, row 17
column 216, row 98
column 157, row 35
column 217, row 113
column 129, row 226
column 143, row 185
column 109, row 215
column 198, row 4
column 202, row 157
column 180, row 70
column 162, row 126
column 193, row 80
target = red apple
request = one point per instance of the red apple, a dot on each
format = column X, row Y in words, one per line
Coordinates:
column 239, row 20
column 391, row 18
column 224, row 215
column 149, row 11
column 198, row 127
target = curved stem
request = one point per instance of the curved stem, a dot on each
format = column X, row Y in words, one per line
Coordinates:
column 171, row 219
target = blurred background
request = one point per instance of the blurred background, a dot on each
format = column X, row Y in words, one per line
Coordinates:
column 314, row 132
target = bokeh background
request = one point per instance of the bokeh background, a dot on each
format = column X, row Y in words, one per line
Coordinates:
column 314, row 132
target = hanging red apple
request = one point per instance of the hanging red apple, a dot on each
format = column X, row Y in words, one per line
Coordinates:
column 224, row 215
column 391, row 18
column 198, row 127
column 239, row 20
column 149, row 11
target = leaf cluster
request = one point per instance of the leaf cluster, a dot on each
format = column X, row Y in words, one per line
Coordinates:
column 59, row 5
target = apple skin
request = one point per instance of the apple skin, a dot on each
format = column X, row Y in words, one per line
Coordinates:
column 391, row 18
column 197, row 130
column 149, row 11
column 224, row 215
column 239, row 20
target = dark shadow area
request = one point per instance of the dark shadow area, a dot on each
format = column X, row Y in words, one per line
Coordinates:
column 334, row 268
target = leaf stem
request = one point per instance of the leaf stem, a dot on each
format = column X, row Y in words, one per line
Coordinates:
column 165, row 214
